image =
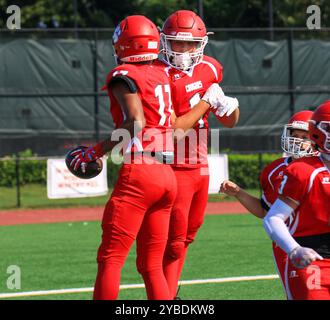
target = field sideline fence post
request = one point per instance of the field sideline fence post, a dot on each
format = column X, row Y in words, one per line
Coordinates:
column 96, row 89
column 291, row 81
column 18, row 189
column 261, row 164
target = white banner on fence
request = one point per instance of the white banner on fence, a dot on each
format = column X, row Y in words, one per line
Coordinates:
column 61, row 183
column 218, row 169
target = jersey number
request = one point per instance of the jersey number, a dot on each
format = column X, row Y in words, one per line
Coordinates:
column 159, row 93
column 193, row 101
column 284, row 180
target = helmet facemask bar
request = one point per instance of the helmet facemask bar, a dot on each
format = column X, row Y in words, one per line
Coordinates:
column 293, row 146
column 324, row 127
column 183, row 60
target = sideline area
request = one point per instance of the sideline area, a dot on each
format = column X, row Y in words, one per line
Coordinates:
column 14, row 217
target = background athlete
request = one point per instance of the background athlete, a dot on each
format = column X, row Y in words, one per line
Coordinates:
column 305, row 191
column 295, row 143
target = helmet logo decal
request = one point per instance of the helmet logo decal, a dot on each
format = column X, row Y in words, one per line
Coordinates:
column 184, row 34
column 116, row 34
column 152, row 45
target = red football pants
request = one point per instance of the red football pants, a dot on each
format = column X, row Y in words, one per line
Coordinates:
column 186, row 218
column 310, row 283
column 139, row 208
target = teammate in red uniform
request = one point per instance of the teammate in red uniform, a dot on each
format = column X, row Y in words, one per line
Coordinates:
column 141, row 203
column 183, row 39
column 296, row 144
column 305, row 189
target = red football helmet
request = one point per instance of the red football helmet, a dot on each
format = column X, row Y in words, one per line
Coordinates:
column 183, row 25
column 294, row 146
column 136, row 39
column 319, row 127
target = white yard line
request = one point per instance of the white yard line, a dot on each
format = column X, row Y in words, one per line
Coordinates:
column 136, row 286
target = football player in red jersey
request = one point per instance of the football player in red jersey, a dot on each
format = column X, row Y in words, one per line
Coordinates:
column 141, row 203
column 305, row 189
column 183, row 38
column 296, row 144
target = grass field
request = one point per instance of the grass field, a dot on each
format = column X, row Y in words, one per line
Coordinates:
column 35, row 196
column 62, row 255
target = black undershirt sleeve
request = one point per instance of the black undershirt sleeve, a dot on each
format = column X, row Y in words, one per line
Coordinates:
column 264, row 204
column 128, row 81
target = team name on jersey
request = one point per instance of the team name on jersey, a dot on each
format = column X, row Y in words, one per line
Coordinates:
column 194, row 86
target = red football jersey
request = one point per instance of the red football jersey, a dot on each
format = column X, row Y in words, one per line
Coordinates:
column 187, row 89
column 307, row 181
column 270, row 179
column 153, row 88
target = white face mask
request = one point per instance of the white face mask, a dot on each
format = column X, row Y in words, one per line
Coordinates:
column 182, row 61
column 179, row 60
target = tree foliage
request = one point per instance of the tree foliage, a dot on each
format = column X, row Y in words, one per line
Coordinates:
column 217, row 13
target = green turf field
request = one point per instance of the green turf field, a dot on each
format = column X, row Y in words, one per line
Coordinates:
column 35, row 196
column 62, row 255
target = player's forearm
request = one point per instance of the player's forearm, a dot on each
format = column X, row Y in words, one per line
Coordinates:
column 251, row 203
column 231, row 121
column 189, row 119
column 128, row 130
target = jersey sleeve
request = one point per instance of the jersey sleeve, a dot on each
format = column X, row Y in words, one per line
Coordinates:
column 216, row 67
column 268, row 194
column 219, row 71
column 124, row 71
column 119, row 73
column 294, row 183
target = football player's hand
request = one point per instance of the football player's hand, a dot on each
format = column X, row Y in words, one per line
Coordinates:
column 223, row 104
column 227, row 107
column 82, row 157
column 213, row 95
column 301, row 257
column 229, row 188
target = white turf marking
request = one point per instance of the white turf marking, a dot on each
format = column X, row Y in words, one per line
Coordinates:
column 136, row 286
